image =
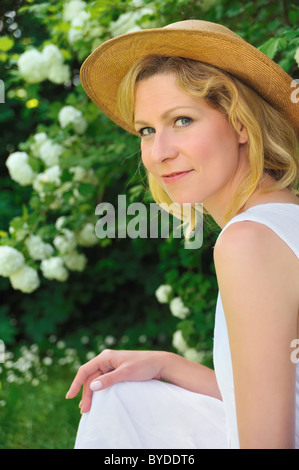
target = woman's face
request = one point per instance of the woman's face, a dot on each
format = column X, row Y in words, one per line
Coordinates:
column 188, row 146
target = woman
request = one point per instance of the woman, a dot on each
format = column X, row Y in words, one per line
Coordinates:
column 218, row 126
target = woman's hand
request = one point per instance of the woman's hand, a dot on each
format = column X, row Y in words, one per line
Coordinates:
column 111, row 367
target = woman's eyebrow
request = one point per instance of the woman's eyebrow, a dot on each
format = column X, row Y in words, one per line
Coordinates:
column 165, row 115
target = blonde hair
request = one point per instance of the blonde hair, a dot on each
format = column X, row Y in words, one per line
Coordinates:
column 272, row 143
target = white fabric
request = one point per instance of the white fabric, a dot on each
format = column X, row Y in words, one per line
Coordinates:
column 158, row 415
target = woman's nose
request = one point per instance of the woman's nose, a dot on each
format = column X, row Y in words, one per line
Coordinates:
column 163, row 147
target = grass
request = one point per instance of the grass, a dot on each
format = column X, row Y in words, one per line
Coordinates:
column 34, row 413
column 39, row 417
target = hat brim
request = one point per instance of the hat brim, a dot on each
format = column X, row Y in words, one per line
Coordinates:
column 104, row 69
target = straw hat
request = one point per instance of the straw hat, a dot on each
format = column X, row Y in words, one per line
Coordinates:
column 104, row 69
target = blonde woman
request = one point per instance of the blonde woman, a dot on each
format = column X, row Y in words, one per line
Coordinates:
column 218, row 125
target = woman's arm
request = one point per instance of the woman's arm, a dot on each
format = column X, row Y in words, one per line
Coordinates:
column 258, row 281
column 112, row 366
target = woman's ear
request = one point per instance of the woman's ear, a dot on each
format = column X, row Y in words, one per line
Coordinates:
column 243, row 134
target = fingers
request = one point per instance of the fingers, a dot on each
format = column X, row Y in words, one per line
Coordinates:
column 84, row 372
column 106, row 380
column 87, row 394
column 99, row 382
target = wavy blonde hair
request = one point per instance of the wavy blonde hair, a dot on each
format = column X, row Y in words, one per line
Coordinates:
column 272, row 142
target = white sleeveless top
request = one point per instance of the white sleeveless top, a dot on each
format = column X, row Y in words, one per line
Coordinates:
column 283, row 219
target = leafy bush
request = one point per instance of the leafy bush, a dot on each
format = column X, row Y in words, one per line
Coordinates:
column 61, row 157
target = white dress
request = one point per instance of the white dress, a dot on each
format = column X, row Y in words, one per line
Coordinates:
column 159, row 415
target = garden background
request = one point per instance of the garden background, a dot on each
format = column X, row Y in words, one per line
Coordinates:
column 66, row 294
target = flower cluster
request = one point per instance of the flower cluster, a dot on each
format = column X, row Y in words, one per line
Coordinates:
column 35, row 66
column 130, row 21
column 70, row 115
column 25, row 278
column 164, row 295
column 82, row 26
column 176, row 305
column 49, row 152
column 180, row 344
column 60, row 256
column 12, row 265
column 31, row 366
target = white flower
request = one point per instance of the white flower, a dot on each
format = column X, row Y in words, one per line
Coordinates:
column 75, row 261
column 179, row 342
column 83, row 176
column 72, row 9
column 70, row 115
column 127, row 22
column 178, row 309
column 10, row 260
column 79, row 26
column 162, row 293
column 50, row 152
column 39, row 139
column 20, row 169
column 52, row 55
column 296, row 57
column 74, row 34
column 38, row 250
column 59, row 222
column 66, row 242
column 110, row 340
column 87, row 236
column 84, row 340
column 47, row 361
column 25, row 279
column 53, row 268
column 35, row 66
column 32, row 66
column 59, row 73
column 50, row 175
column 90, row 355
column 81, row 19
column 193, row 355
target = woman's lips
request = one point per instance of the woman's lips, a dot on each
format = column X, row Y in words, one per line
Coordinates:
column 175, row 176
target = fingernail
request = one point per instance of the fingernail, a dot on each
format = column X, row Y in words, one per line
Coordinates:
column 80, row 404
column 96, row 385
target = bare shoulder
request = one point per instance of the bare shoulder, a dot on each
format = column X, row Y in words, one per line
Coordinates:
column 254, row 251
column 253, row 238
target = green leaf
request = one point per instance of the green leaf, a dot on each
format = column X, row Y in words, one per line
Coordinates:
column 270, row 47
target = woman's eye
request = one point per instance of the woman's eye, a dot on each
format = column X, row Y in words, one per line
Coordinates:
column 146, row 131
column 182, row 121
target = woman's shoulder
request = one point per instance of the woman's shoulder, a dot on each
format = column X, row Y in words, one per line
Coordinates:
column 266, row 226
column 245, row 237
column 251, row 257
